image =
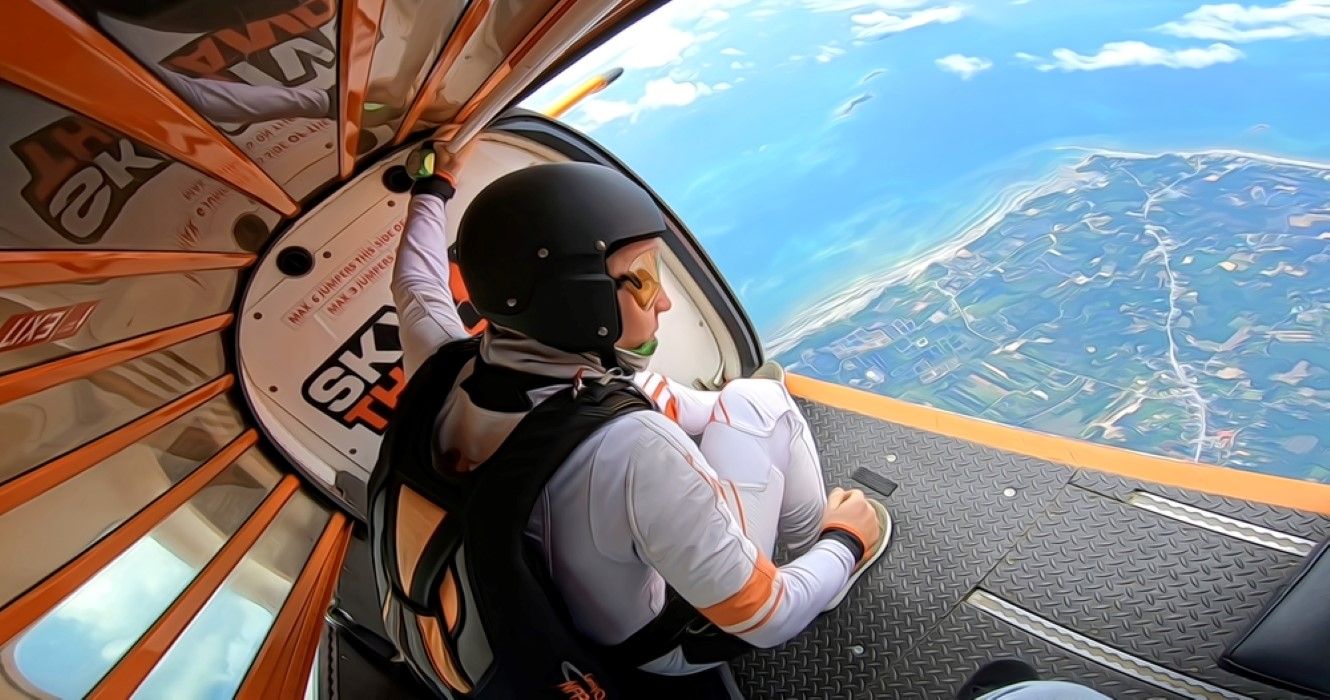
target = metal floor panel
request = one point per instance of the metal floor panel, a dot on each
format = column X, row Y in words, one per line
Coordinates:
column 1292, row 522
column 1156, row 588
column 968, row 638
column 1033, row 533
column 953, row 524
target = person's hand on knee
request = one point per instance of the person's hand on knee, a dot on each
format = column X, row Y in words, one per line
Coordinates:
column 853, row 513
column 861, row 524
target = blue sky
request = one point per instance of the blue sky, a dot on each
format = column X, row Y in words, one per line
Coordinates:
column 810, row 143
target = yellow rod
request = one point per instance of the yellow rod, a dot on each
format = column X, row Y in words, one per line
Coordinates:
column 590, row 86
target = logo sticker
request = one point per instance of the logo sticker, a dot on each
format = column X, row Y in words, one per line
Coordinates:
column 82, row 175
column 45, row 326
column 284, row 48
column 359, row 384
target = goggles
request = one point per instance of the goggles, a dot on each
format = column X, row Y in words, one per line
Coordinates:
column 642, row 280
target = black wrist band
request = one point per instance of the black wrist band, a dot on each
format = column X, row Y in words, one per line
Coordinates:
column 850, row 541
column 434, row 185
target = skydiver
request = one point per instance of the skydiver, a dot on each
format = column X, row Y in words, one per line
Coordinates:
column 641, row 520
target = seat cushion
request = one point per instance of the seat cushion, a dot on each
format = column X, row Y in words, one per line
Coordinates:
column 1289, row 643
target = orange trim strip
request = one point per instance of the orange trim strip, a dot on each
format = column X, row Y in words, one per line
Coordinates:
column 439, row 649
column 739, row 503
column 36, row 482
column 49, row 50
column 57, row 266
column 748, row 601
column 518, row 53
column 450, row 601
column 38, row 600
column 25, row 382
column 310, row 631
column 360, row 33
column 780, row 596
column 610, row 23
column 672, row 409
column 1221, row 481
column 467, row 26
column 141, row 658
column 281, row 667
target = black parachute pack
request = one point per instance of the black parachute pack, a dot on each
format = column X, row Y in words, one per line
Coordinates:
column 471, row 605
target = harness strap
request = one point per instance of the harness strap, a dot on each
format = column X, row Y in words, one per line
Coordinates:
column 678, row 625
column 535, row 645
column 518, row 605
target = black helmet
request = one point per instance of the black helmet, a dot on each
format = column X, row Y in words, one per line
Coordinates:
column 532, row 249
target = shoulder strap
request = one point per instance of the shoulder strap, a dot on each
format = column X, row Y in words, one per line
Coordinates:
column 407, row 450
column 534, row 643
column 526, row 624
column 406, row 456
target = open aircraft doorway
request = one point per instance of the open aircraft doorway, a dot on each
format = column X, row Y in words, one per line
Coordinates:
column 1118, row 477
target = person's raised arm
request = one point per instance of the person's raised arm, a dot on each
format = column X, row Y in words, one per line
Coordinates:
column 426, row 313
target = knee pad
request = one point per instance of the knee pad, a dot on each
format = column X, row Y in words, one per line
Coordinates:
column 754, row 405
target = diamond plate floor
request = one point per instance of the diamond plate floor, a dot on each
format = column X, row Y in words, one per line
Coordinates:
column 1156, row 588
column 1054, row 540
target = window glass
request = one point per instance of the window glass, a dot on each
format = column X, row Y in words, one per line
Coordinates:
column 68, row 651
column 212, row 656
column 264, row 72
column 86, row 315
column 69, row 182
column 83, row 509
column 51, row 422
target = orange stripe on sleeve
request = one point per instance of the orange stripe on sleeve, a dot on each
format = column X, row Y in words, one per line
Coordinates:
column 672, row 409
column 739, row 504
column 780, row 595
column 749, row 601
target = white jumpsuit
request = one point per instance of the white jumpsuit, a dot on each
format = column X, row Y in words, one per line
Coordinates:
column 640, row 503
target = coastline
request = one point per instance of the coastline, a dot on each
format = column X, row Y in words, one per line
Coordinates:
column 856, row 296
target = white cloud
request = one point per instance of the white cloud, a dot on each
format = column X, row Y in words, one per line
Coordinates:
column 1294, row 19
column 878, row 18
column 826, row 53
column 662, row 39
column 1119, row 54
column 662, row 47
column 595, row 112
column 847, row 5
column 1027, row 57
column 880, row 23
column 964, row 66
column 731, row 51
column 711, row 17
column 665, row 92
column 661, row 92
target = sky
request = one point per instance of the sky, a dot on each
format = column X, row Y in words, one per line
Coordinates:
column 808, row 144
